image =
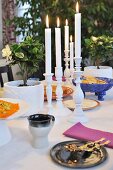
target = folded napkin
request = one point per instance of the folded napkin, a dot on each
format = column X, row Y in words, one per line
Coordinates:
column 79, row 131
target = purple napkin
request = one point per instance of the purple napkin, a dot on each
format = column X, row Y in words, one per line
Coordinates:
column 79, row 131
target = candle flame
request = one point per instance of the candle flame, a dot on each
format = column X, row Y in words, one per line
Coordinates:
column 71, row 38
column 58, row 22
column 77, row 7
column 47, row 21
column 66, row 22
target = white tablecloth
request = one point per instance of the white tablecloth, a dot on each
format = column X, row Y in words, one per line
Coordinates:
column 19, row 154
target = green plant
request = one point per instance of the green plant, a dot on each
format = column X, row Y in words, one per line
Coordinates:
column 26, row 54
column 100, row 48
column 33, row 20
column 96, row 20
column 97, row 16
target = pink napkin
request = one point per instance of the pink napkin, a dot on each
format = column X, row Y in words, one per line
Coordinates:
column 79, row 131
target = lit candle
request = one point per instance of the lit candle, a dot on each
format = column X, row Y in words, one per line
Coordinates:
column 66, row 36
column 71, row 54
column 47, row 47
column 77, row 32
column 58, row 43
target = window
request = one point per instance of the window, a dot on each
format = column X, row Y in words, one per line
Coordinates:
column 20, row 10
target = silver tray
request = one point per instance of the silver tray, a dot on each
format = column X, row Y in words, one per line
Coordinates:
column 70, row 158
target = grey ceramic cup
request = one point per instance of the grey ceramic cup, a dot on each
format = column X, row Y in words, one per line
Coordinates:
column 40, row 126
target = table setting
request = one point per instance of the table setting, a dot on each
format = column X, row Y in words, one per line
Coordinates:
column 29, row 157
column 67, row 129
column 32, row 157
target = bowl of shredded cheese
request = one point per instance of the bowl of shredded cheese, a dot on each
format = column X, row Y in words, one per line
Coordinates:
column 97, row 85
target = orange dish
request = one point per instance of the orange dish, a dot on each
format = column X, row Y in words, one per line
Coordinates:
column 92, row 80
column 66, row 92
column 7, row 108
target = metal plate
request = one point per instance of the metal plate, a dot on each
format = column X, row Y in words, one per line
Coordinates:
column 70, row 158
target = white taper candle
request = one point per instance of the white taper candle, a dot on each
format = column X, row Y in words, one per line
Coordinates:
column 77, row 32
column 58, row 43
column 71, row 54
column 66, row 36
column 47, row 47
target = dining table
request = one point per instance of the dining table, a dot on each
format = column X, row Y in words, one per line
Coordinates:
column 19, row 154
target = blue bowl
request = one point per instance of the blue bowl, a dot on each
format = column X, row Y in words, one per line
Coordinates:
column 98, row 89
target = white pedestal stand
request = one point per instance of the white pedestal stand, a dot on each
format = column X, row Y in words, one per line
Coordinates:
column 60, row 109
column 78, row 96
column 5, row 135
column 48, row 78
column 67, row 70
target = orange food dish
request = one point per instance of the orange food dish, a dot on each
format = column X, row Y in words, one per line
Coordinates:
column 66, row 91
column 7, row 108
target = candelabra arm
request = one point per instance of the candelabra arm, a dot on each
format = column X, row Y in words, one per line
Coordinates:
column 59, row 91
column 78, row 96
column 72, row 73
column 67, row 70
column 48, row 78
column 60, row 109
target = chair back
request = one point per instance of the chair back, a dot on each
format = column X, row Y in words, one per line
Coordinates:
column 6, row 69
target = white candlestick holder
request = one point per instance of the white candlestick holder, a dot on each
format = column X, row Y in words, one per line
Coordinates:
column 48, row 78
column 60, row 109
column 72, row 73
column 67, row 70
column 71, row 77
column 78, row 96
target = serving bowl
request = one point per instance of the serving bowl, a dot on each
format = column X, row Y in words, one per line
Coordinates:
column 98, row 89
